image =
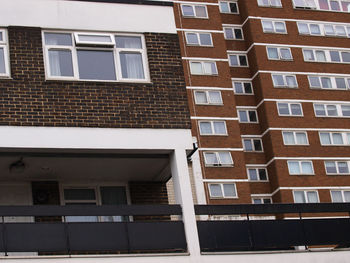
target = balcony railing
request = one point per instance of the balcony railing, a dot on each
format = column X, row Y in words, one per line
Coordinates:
column 61, row 237
column 274, row 234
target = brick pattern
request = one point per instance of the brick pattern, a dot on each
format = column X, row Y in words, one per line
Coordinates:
column 27, row 99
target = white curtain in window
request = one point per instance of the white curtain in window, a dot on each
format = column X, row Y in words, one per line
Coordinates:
column 210, row 158
column 201, row 97
column 291, row 81
column 309, row 55
column 312, row 197
column 343, row 167
column 205, row 128
column 253, row 174
column 337, row 138
column 299, row 197
column 347, row 196
column 2, row 61
column 229, row 190
column 306, row 168
column 325, row 138
column 293, row 168
column 225, row 158
column 215, row 190
column 288, row 138
column 336, row 196
column 219, row 127
column 215, row 96
column 301, row 138
column 320, row 55
column 330, row 167
column 131, row 65
column 54, row 60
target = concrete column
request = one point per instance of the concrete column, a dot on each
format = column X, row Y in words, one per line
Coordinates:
column 183, row 196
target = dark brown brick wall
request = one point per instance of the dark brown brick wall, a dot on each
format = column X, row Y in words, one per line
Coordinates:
column 29, row 100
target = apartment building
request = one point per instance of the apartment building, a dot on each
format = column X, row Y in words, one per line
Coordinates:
column 268, row 85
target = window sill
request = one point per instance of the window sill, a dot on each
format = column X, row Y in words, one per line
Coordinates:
column 219, row 166
column 99, row 81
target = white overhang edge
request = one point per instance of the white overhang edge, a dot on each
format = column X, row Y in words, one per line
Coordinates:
column 94, row 138
column 93, row 16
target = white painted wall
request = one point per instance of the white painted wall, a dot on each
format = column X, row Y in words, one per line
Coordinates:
column 62, row 14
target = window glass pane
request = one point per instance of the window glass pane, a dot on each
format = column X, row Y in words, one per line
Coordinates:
column 288, row 138
column 329, row 30
column 224, row 7
column 326, row 83
column 229, row 190
column 200, row 11
column 243, row 60
column 299, row 197
column 94, row 38
column 225, row 158
column 215, row 190
column 238, row 33
column 210, row 158
column 233, row 8
column 283, row 108
column 345, row 110
column 272, row 52
column 209, row 68
column 1, row 37
column 325, row 138
column 320, row 110
column 330, row 167
column 243, row 116
column 253, row 175
column 257, row 145
column 238, row 87
column 205, row 39
column 61, row 63
column 335, row 57
column 296, row 109
column 267, row 201
column 315, row 29
column 314, row 82
column 280, row 27
column 113, row 195
column 215, row 97
column 337, row 138
column 323, row 4
column 187, row 10
column 345, row 56
column 340, row 82
column 95, row 64
column 306, row 168
column 332, row 110
column 196, row 68
column 262, row 174
column 257, row 201
column 278, row 80
column 219, row 127
column 348, row 138
column 248, row 146
column 267, row 26
column 248, row 88
column 340, row 30
column 345, row 6
column 205, row 128
column 291, row 81
column 58, row 39
column 192, row 39
column 335, row 5
column 2, row 61
column 128, row 42
column 336, row 196
column 131, row 65
column 201, row 97
column 293, row 168
column 228, row 33
column 79, row 194
column 320, row 55
column 347, row 196
column 310, row 3
column 343, row 167
column 286, row 53
column 303, row 28
column 312, row 197
column 309, row 55
column 252, row 116
column 301, row 138
column 234, row 60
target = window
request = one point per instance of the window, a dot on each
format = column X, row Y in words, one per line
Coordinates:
column 270, row 3
column 199, row 39
column 242, row 87
column 332, row 30
column 4, row 58
column 237, row 60
column 196, row 11
column 212, row 128
column 325, row 82
column 284, row 81
column 248, row 116
column 289, row 109
column 229, row 7
column 335, row 138
column 279, row 53
column 340, row 196
column 208, row 97
column 233, row 33
column 329, row 5
column 305, row 4
column 332, row 110
column 270, row 26
column 257, row 174
column 222, row 190
column 330, row 56
column 300, row 167
column 218, row 159
column 295, row 138
column 203, row 68
column 92, row 56
column 252, row 145
column 305, row 197
column 261, row 200
column 337, row 167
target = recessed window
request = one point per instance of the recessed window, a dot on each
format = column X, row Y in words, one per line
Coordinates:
column 339, row 196
column 305, row 197
column 300, row 167
column 203, row 68
column 295, row 138
column 270, row 26
column 305, row 4
column 325, row 82
column 330, row 56
column 222, row 190
column 243, row 87
column 252, row 145
column 257, row 174
column 195, row 11
column 335, row 138
column 238, row 60
column 332, row 110
column 222, row 158
column 321, row 29
column 270, row 3
column 284, row 81
column 337, row 167
column 199, row 39
column 212, row 128
column 279, row 53
column 85, row 56
column 233, row 33
column 208, row 97
column 229, row 7
column 248, row 116
column 261, row 200
column 289, row 109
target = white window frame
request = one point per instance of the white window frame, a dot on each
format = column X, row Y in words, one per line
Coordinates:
column 338, row 109
column 194, row 11
column 207, row 95
column 262, row 198
column 198, row 37
column 327, row 56
column 337, row 167
column 4, row 45
column 252, row 142
column 239, row 62
column 247, row 112
column 212, row 124
column 305, row 6
column 243, row 88
column 305, row 195
column 270, row 4
column 279, row 53
column 342, row 194
column 81, row 42
column 323, row 32
column 274, row 26
column 332, row 80
column 316, row 6
column 344, row 135
column 228, row 3
column 219, row 164
column 258, row 176
column 300, row 167
column 290, row 109
column 285, row 82
column 116, row 51
column 203, row 68
column 295, row 138
column 222, row 191
column 233, row 28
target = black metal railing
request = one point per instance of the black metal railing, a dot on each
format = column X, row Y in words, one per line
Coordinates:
column 274, row 234
column 61, row 237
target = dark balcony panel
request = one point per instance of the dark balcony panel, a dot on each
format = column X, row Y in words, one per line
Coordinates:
column 97, row 236
column 327, row 231
column 39, row 237
column 157, row 236
column 223, row 235
column 2, row 243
